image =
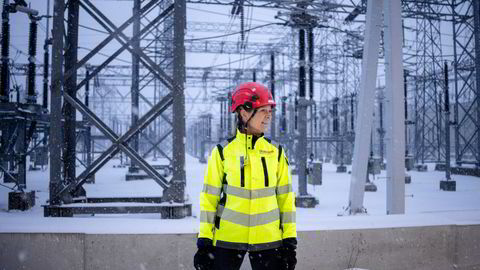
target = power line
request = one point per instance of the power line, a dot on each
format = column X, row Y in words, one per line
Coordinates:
column 230, row 34
column 222, row 14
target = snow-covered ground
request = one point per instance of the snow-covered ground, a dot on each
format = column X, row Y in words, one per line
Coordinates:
column 425, row 204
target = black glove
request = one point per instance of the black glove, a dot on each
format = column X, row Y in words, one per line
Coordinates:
column 203, row 259
column 289, row 255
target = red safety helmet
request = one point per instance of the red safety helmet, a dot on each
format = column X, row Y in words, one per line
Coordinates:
column 251, row 95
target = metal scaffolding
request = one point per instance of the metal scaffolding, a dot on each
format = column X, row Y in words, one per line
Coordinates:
column 68, row 191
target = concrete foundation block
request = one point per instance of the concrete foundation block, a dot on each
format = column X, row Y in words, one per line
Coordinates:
column 448, row 185
column 42, row 251
column 443, row 247
column 370, row 187
column 307, row 201
column 421, row 167
column 122, row 252
column 341, row 169
column 467, row 246
column 21, row 200
column 408, row 179
column 406, row 248
column 409, row 162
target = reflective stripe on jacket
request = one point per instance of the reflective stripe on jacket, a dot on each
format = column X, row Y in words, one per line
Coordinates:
column 247, row 202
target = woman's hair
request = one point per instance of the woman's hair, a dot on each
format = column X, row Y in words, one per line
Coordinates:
column 238, row 120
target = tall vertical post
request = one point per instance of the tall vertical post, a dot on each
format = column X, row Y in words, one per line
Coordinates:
column 381, row 130
column 178, row 181
column 272, row 89
column 455, row 108
column 55, row 138
column 335, row 116
column 221, row 119
column 46, row 58
column 405, row 101
column 5, row 73
column 32, row 52
column 395, row 109
column 88, row 135
column 310, row 82
column 310, row 62
column 296, row 111
column 135, row 77
column 302, row 123
column 283, row 119
column 254, row 75
column 155, row 87
column 20, row 148
column 476, row 27
column 304, row 199
column 352, row 113
column 70, row 86
column 447, row 125
column 229, row 116
column 365, row 105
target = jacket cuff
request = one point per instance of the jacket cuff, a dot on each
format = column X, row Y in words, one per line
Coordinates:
column 204, row 242
column 290, row 243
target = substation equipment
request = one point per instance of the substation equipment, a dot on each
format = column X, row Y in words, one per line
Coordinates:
column 317, row 116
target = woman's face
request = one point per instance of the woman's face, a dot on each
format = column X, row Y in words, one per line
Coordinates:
column 260, row 122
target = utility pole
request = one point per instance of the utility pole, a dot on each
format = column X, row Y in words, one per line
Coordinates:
column 55, row 138
column 394, row 98
column 448, row 184
column 302, row 20
column 135, row 80
column 176, row 192
column 69, row 156
column 272, row 89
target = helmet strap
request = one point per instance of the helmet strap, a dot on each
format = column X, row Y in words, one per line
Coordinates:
column 250, row 118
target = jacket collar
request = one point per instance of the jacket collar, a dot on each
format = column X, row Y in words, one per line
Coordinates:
column 247, row 139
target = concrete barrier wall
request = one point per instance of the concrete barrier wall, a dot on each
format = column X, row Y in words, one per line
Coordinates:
column 433, row 247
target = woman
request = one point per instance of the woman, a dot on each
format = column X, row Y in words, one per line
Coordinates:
column 247, row 203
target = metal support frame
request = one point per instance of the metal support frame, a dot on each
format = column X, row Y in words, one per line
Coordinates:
column 64, row 192
column 303, row 199
column 363, row 125
column 134, row 90
column 395, row 115
column 5, row 70
column 446, row 101
column 179, row 176
column 428, row 124
column 466, row 28
column 119, row 143
column 55, row 138
column 476, row 32
column 301, row 158
column 69, row 112
column 32, row 52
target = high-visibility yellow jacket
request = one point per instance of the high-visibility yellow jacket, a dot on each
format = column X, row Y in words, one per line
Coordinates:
column 247, row 202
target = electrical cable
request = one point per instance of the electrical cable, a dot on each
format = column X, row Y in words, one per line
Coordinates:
column 231, row 62
column 222, row 14
column 229, row 27
column 231, row 34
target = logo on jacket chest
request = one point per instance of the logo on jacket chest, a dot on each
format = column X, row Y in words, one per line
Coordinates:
column 265, row 152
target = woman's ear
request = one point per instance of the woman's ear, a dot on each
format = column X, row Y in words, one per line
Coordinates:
column 244, row 115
